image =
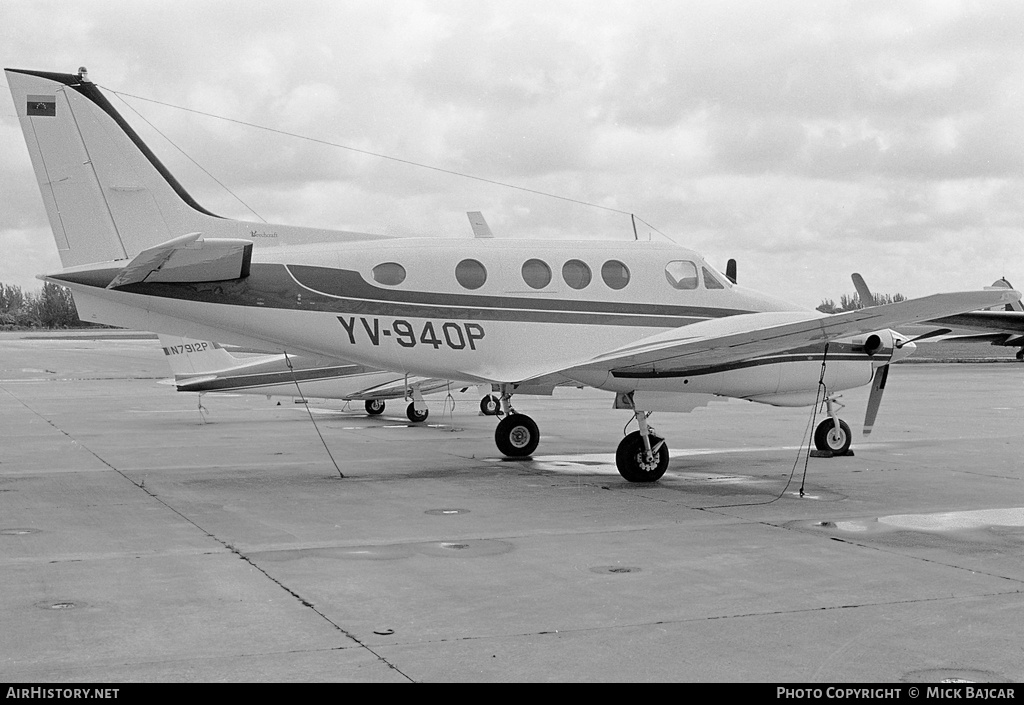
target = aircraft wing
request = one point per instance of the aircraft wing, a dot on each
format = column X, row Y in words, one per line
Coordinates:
column 995, row 321
column 712, row 343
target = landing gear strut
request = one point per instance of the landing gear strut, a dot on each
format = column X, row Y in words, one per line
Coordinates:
column 642, row 456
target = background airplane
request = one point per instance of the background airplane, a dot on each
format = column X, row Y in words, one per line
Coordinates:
column 651, row 321
column 1004, row 326
column 203, row 366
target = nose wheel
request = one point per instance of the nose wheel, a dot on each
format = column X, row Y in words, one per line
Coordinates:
column 829, row 438
column 415, row 415
column 374, row 407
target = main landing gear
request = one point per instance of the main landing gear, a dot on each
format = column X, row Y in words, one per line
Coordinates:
column 833, row 434
column 375, row 407
column 642, row 456
column 517, row 435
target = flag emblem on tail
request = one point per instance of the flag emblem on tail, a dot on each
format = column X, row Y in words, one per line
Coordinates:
column 41, row 105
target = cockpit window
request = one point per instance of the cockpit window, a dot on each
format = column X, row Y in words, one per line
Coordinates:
column 710, row 280
column 682, row 274
column 470, row 273
column 389, row 274
column 615, row 274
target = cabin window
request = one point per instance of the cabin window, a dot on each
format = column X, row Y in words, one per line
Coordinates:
column 615, row 274
column 536, row 273
column 576, row 274
column 389, row 274
column 682, row 274
column 710, row 280
column 470, row 273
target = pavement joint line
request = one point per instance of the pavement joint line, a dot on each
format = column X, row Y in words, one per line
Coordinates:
column 142, row 486
column 710, row 618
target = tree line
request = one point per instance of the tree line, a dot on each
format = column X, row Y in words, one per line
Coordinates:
column 852, row 303
column 52, row 307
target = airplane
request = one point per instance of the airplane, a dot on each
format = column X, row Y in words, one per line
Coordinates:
column 998, row 327
column 203, row 366
column 651, row 321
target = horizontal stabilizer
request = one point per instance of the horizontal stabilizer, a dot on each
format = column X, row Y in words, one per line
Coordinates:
column 188, row 258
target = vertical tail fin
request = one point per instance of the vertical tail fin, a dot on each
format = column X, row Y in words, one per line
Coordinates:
column 1003, row 283
column 107, row 195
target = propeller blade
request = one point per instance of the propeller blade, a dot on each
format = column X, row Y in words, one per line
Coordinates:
column 730, row 270
column 875, row 398
column 930, row 334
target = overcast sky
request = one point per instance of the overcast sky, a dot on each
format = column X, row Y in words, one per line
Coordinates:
column 808, row 140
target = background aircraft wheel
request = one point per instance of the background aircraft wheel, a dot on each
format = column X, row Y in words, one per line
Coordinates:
column 490, row 405
column 827, row 438
column 631, row 461
column 517, row 436
column 374, row 407
column 414, row 415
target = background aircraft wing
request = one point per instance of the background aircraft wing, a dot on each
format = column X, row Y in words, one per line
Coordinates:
column 712, row 343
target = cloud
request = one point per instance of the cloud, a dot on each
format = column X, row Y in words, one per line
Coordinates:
column 805, row 137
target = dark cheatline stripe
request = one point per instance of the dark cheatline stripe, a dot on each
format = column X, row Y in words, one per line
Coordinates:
column 272, row 286
column 849, row 353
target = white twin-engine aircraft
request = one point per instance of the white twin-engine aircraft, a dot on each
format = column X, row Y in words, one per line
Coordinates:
column 650, row 321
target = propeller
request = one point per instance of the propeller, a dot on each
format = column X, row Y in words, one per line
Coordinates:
column 900, row 350
column 875, row 398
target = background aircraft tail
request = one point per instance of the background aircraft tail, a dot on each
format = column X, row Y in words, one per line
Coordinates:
column 190, row 357
column 1003, row 283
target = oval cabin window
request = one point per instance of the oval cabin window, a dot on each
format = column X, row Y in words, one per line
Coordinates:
column 536, row 274
column 576, row 274
column 470, row 274
column 615, row 274
column 389, row 274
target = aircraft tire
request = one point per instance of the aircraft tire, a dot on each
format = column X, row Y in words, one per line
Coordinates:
column 490, row 405
column 517, row 436
column 414, row 415
column 630, row 462
column 824, row 440
column 374, row 407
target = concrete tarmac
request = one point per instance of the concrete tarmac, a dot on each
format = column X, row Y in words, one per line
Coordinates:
column 145, row 539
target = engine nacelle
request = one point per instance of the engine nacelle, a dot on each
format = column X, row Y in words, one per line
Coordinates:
column 886, row 346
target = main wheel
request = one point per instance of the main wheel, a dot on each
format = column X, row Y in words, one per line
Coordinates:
column 374, row 407
column 414, row 415
column 490, row 405
column 631, row 458
column 826, row 437
column 517, row 435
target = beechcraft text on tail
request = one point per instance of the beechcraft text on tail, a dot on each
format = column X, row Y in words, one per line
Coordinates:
column 651, row 321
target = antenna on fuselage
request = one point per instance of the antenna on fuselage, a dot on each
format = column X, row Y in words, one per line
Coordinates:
column 633, row 219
